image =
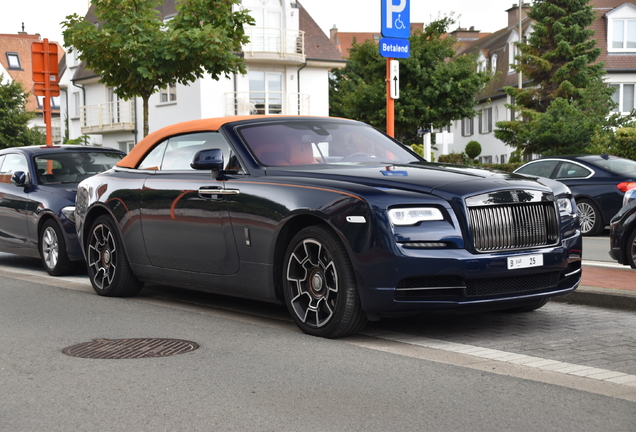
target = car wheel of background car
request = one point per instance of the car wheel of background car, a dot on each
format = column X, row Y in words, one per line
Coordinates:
column 590, row 217
column 107, row 263
column 536, row 304
column 631, row 249
column 53, row 249
column 319, row 285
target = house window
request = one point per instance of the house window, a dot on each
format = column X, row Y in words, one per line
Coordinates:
column 485, row 159
column 503, row 159
column 76, row 103
column 624, row 35
column 621, row 29
column 55, row 102
column 485, row 121
column 481, row 63
column 168, row 94
column 266, row 92
column 467, row 127
column 126, row 146
column 624, row 97
column 14, row 60
column 493, row 64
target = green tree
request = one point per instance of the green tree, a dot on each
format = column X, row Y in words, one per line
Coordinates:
column 136, row 52
column 435, row 87
column 472, row 150
column 14, row 117
column 567, row 100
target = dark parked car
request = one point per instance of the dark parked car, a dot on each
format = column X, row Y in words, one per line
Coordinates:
column 623, row 232
column 330, row 216
column 37, row 200
column 597, row 182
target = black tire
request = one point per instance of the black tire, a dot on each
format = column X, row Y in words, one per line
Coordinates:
column 631, row 249
column 52, row 248
column 590, row 218
column 319, row 285
column 107, row 262
column 529, row 307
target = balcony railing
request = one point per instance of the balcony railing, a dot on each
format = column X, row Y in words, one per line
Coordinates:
column 276, row 103
column 108, row 117
column 282, row 42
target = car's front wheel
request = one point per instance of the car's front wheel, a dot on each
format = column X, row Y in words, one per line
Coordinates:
column 319, row 285
column 53, row 249
column 631, row 249
column 590, row 218
column 107, row 263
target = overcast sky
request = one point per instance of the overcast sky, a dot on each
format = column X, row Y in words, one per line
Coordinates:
column 44, row 16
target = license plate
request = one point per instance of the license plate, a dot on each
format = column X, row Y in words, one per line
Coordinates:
column 525, row 261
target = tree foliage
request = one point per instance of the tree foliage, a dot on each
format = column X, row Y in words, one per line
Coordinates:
column 14, row 117
column 567, row 101
column 472, row 149
column 135, row 52
column 435, row 87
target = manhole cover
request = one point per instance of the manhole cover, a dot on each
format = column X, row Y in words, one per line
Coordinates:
column 130, row 348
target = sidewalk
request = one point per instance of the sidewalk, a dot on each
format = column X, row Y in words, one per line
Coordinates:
column 604, row 284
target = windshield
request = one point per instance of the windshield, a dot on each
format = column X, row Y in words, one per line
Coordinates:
column 322, row 142
column 73, row 167
column 617, row 166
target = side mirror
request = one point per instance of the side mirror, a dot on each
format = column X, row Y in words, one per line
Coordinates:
column 20, row 178
column 210, row 159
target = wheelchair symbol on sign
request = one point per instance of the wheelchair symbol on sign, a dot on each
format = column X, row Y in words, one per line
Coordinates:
column 398, row 23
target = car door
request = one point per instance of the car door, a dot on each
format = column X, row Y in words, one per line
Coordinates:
column 184, row 213
column 14, row 202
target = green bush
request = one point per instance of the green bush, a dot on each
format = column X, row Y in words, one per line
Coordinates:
column 473, row 149
column 625, row 143
column 454, row 158
column 509, row 167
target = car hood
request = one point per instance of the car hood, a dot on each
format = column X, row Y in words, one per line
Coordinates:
column 438, row 179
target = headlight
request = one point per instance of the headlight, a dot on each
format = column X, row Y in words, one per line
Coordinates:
column 565, row 206
column 629, row 196
column 412, row 216
column 69, row 212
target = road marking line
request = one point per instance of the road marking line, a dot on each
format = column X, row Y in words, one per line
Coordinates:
column 508, row 357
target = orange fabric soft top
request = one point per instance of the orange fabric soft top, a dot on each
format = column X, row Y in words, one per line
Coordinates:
column 132, row 159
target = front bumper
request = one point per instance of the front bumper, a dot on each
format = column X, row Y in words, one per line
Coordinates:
column 454, row 279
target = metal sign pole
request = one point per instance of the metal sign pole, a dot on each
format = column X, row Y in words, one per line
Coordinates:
column 46, row 104
column 390, row 104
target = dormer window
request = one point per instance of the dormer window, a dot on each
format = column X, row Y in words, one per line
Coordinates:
column 14, row 60
column 513, row 50
column 481, row 63
column 621, row 29
column 493, row 63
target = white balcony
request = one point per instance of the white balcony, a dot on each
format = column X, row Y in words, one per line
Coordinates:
column 275, row 44
column 272, row 103
column 108, row 117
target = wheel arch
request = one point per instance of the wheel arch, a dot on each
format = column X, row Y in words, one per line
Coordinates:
column 89, row 219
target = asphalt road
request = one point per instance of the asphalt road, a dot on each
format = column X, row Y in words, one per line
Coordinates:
column 563, row 367
column 597, row 248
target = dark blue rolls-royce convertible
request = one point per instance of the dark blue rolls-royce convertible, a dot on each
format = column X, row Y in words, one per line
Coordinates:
column 330, row 216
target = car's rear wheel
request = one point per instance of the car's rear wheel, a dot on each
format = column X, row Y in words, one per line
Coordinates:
column 107, row 263
column 319, row 285
column 590, row 218
column 53, row 249
column 631, row 249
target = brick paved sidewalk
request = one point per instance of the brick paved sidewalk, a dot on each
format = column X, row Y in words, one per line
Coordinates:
column 613, row 278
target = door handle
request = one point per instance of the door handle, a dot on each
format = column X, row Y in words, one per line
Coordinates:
column 208, row 191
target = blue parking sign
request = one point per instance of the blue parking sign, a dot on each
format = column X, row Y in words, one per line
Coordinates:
column 396, row 19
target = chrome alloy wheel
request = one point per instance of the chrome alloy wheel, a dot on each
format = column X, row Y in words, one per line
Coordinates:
column 313, row 279
column 102, row 256
column 50, row 247
column 587, row 216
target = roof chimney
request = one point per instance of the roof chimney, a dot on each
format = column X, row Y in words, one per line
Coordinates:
column 333, row 35
column 513, row 14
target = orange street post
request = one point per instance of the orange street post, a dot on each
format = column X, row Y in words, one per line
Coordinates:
column 396, row 30
column 45, row 79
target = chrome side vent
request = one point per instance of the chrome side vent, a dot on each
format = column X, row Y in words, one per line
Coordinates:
column 507, row 223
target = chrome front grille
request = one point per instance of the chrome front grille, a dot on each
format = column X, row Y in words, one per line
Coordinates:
column 500, row 226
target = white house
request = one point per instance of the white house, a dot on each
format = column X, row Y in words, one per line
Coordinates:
column 615, row 31
column 288, row 59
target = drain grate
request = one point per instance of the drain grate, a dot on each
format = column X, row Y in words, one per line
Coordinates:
column 130, row 348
